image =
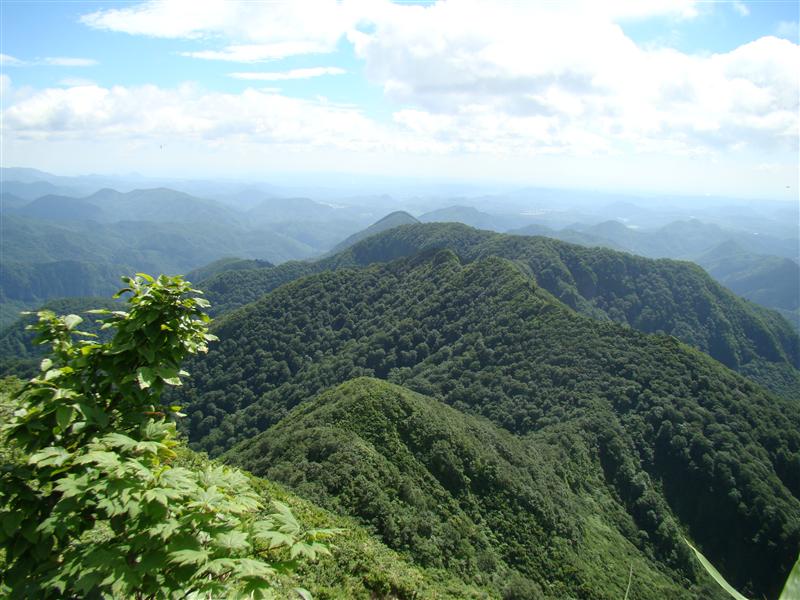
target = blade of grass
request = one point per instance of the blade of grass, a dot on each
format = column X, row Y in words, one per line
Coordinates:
column 716, row 574
column 791, row 590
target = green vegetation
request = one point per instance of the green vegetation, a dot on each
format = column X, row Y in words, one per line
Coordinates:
column 390, row 221
column 20, row 355
column 90, row 502
column 674, row 432
column 453, row 491
column 654, row 296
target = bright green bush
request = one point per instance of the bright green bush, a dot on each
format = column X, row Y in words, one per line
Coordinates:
column 91, row 504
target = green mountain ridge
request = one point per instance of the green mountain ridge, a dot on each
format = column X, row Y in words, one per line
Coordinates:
column 455, row 492
column 722, row 454
column 739, row 261
column 390, row 221
column 672, row 297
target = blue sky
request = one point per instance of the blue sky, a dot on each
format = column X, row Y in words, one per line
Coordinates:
column 664, row 96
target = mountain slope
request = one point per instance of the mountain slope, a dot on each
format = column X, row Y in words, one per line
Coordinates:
column 455, row 492
column 672, row 297
column 390, row 221
column 769, row 280
column 486, row 339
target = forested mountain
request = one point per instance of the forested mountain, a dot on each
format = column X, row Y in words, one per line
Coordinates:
column 678, row 440
column 769, row 280
column 227, row 264
column 761, row 268
column 672, row 297
column 456, row 492
column 43, row 260
column 390, row 221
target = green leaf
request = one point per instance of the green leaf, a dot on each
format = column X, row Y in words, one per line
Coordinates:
column 11, row 521
column 64, row 416
column 232, row 540
column 46, row 364
column 714, row 573
column 49, row 457
column 146, row 377
column 72, row 321
column 188, row 557
column 303, row 593
column 791, row 590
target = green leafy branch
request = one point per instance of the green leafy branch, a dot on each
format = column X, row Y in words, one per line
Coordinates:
column 91, row 500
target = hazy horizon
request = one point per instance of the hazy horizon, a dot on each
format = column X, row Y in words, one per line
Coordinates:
column 667, row 98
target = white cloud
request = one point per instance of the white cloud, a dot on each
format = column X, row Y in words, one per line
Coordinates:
column 291, row 74
column 68, row 61
column 52, row 61
column 465, row 75
column 250, row 53
column 186, row 113
column 5, row 85
column 10, row 61
column 741, row 8
column 75, row 82
column 251, row 31
column 583, row 77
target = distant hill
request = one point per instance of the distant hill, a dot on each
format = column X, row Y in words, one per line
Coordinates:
column 688, row 239
column 567, row 235
column 390, row 221
column 36, row 189
column 161, row 205
column 9, row 202
column 62, row 208
column 467, row 215
column 276, row 210
column 227, row 264
column 769, row 280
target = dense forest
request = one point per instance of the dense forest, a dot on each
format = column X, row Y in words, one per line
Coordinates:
column 654, row 296
column 672, row 430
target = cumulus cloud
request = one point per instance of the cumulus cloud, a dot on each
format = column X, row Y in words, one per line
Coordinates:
column 286, row 75
column 533, row 64
column 187, row 113
column 464, row 75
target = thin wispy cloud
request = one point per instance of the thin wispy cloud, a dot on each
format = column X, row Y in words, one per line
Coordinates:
column 287, row 75
column 68, row 61
column 10, row 61
column 51, row 61
column 741, row 8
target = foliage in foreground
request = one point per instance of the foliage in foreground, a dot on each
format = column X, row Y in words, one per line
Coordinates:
column 90, row 502
column 790, row 591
